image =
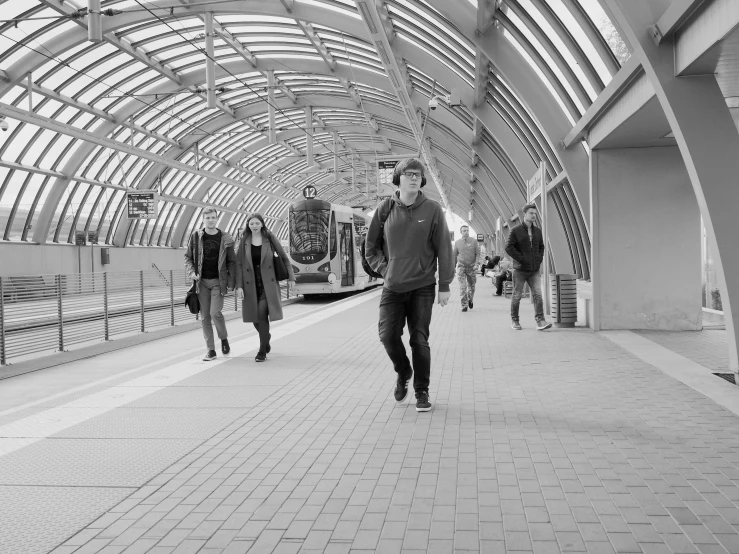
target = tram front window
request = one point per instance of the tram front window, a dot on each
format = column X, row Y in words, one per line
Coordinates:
column 309, row 235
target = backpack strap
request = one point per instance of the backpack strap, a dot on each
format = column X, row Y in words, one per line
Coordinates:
column 385, row 208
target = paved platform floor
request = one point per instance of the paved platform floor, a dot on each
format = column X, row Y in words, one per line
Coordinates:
column 556, row 441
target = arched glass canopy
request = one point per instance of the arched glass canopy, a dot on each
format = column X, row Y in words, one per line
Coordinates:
column 131, row 111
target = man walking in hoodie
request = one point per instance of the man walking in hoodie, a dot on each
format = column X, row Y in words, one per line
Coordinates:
column 467, row 254
column 406, row 239
column 526, row 246
column 210, row 261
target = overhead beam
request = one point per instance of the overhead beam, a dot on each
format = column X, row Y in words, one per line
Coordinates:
column 676, row 14
column 47, row 123
column 317, row 43
column 482, row 72
column 377, row 29
column 349, row 88
column 485, row 15
column 477, row 128
column 620, row 82
column 104, row 184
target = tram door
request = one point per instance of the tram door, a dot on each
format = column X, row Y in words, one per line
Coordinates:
column 346, row 255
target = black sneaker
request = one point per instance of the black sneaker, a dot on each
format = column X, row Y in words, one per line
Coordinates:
column 470, row 304
column 515, row 325
column 261, row 356
column 225, row 347
column 422, row 402
column 401, row 388
column 464, row 309
column 209, row 356
column 542, row 325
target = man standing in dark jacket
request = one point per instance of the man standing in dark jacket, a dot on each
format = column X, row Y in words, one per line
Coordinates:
column 526, row 247
column 405, row 250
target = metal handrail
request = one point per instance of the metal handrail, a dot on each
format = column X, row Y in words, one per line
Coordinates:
column 40, row 313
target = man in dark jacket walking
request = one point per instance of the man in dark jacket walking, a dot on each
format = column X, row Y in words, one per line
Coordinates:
column 525, row 246
column 405, row 251
column 210, row 261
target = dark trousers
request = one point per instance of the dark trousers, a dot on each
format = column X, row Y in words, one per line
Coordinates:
column 415, row 307
column 262, row 325
column 499, row 282
column 533, row 278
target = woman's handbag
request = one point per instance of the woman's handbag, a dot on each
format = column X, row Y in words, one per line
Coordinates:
column 192, row 301
column 281, row 273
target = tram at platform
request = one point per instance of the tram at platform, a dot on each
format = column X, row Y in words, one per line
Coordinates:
column 324, row 248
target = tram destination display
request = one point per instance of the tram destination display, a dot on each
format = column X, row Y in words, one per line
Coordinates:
column 142, row 205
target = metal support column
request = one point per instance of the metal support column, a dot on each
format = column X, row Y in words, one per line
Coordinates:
column 171, row 297
column 336, row 156
column 271, row 106
column 29, row 84
column 141, row 277
column 309, row 136
column 3, row 356
column 105, row 306
column 60, row 313
column 210, row 66
column 94, row 23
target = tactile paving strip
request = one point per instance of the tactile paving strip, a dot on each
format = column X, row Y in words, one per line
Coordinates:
column 33, row 520
column 205, row 397
column 155, row 423
column 92, row 462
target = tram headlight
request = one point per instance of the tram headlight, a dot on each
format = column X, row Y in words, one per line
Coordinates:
column 295, row 269
column 331, row 278
column 325, row 268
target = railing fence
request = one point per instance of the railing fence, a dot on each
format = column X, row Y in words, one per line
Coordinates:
column 41, row 313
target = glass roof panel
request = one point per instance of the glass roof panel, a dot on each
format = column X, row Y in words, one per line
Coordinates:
column 606, row 28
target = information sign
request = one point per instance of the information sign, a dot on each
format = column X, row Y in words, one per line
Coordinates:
column 480, row 237
column 80, row 238
column 534, row 186
column 92, row 236
column 142, row 205
column 310, row 192
column 385, row 170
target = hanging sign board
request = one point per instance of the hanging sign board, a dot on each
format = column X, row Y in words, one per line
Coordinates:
column 142, row 205
column 480, row 237
column 533, row 186
column 310, row 192
column 385, row 170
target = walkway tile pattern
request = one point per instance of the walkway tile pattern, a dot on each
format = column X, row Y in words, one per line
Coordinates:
column 538, row 442
column 707, row 347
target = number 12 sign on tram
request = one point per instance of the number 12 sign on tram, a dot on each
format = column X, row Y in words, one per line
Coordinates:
column 310, row 192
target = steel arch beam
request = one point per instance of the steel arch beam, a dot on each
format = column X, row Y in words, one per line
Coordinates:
column 308, row 13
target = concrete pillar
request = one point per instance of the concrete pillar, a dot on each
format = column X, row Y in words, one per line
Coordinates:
column 646, row 241
column 707, row 139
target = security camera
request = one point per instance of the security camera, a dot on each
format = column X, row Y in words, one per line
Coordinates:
column 3, row 124
column 433, row 103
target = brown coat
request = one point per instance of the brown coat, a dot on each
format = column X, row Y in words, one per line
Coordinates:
column 246, row 280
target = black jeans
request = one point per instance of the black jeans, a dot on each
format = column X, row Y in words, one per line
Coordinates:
column 415, row 307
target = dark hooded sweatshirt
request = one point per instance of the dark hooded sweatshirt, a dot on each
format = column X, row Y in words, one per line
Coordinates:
column 414, row 238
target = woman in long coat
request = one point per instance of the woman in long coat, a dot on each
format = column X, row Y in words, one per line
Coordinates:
column 255, row 279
